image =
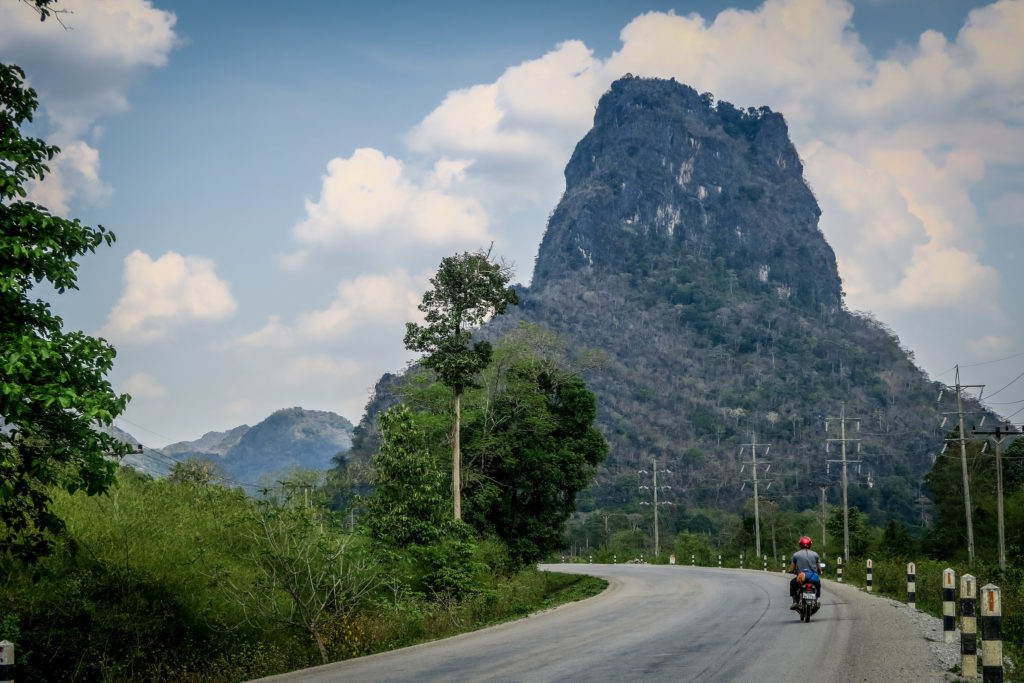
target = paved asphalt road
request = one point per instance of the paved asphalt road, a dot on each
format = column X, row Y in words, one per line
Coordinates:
column 668, row 623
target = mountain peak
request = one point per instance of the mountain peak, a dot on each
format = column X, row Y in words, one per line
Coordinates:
column 667, row 174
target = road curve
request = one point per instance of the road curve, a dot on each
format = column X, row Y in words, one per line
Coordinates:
column 669, row 623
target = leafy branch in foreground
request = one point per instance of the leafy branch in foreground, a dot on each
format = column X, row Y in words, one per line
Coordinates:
column 53, row 391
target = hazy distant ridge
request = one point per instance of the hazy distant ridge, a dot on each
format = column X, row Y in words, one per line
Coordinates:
column 287, row 439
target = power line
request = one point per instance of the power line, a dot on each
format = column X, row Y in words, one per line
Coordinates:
column 1008, row 385
column 988, row 362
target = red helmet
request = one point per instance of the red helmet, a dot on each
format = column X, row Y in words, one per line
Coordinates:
column 805, row 542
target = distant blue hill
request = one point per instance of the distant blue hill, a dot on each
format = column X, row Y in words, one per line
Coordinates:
column 290, row 438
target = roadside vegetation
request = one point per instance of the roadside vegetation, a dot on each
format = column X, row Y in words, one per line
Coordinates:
column 178, row 579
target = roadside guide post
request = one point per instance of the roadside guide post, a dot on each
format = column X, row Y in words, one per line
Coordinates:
column 949, row 605
column 991, row 635
column 6, row 661
column 968, row 627
column 911, row 585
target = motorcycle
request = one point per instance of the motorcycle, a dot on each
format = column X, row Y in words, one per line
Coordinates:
column 807, row 596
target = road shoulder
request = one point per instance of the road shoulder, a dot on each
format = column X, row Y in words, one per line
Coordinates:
column 890, row 640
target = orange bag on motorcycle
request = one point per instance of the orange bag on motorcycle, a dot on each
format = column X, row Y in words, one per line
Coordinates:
column 801, row 577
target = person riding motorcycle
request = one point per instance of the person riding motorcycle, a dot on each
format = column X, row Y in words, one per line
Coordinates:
column 807, row 562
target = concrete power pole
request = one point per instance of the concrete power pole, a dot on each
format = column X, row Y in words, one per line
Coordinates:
column 842, row 419
column 963, row 464
column 1000, row 432
column 753, row 459
column 654, row 464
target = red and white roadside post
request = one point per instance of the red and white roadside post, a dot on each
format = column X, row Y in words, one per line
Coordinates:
column 991, row 635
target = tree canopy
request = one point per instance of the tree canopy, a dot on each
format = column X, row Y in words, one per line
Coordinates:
column 53, row 391
column 467, row 290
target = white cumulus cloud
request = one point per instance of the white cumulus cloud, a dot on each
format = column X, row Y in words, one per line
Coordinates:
column 368, row 302
column 162, row 294
column 83, row 73
column 370, row 194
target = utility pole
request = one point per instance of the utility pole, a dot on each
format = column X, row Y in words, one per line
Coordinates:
column 824, row 518
column 1000, row 432
column 654, row 463
column 963, row 463
column 842, row 440
column 753, row 459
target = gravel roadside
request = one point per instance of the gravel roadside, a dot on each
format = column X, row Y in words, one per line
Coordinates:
column 897, row 643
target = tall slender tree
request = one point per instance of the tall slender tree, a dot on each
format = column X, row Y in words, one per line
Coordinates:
column 468, row 289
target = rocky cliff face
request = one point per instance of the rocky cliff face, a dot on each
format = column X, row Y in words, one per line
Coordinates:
column 665, row 171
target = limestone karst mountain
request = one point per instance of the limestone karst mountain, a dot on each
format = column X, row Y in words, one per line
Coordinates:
column 687, row 247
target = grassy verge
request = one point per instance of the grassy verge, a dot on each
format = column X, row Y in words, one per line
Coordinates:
column 408, row 623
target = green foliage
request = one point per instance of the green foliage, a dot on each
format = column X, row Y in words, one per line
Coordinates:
column 948, row 537
column 859, row 531
column 52, row 388
column 410, row 503
column 530, row 449
column 688, row 544
column 467, row 290
column 305, row 573
column 409, row 513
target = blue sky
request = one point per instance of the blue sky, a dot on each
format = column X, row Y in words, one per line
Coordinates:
column 283, row 178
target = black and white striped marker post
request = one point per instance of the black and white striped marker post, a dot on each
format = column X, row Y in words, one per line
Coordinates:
column 991, row 635
column 741, row 560
column 693, row 560
column 869, row 577
column 911, row 585
column 719, row 561
column 765, row 568
column 839, row 569
column 6, row 661
column 949, row 605
column 968, row 627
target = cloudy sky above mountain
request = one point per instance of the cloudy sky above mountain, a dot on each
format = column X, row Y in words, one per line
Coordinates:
column 283, row 178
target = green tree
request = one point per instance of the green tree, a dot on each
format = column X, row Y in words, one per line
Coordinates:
column 53, row 391
column 530, row 450
column 409, row 504
column 409, row 513
column 859, row 532
column 468, row 289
